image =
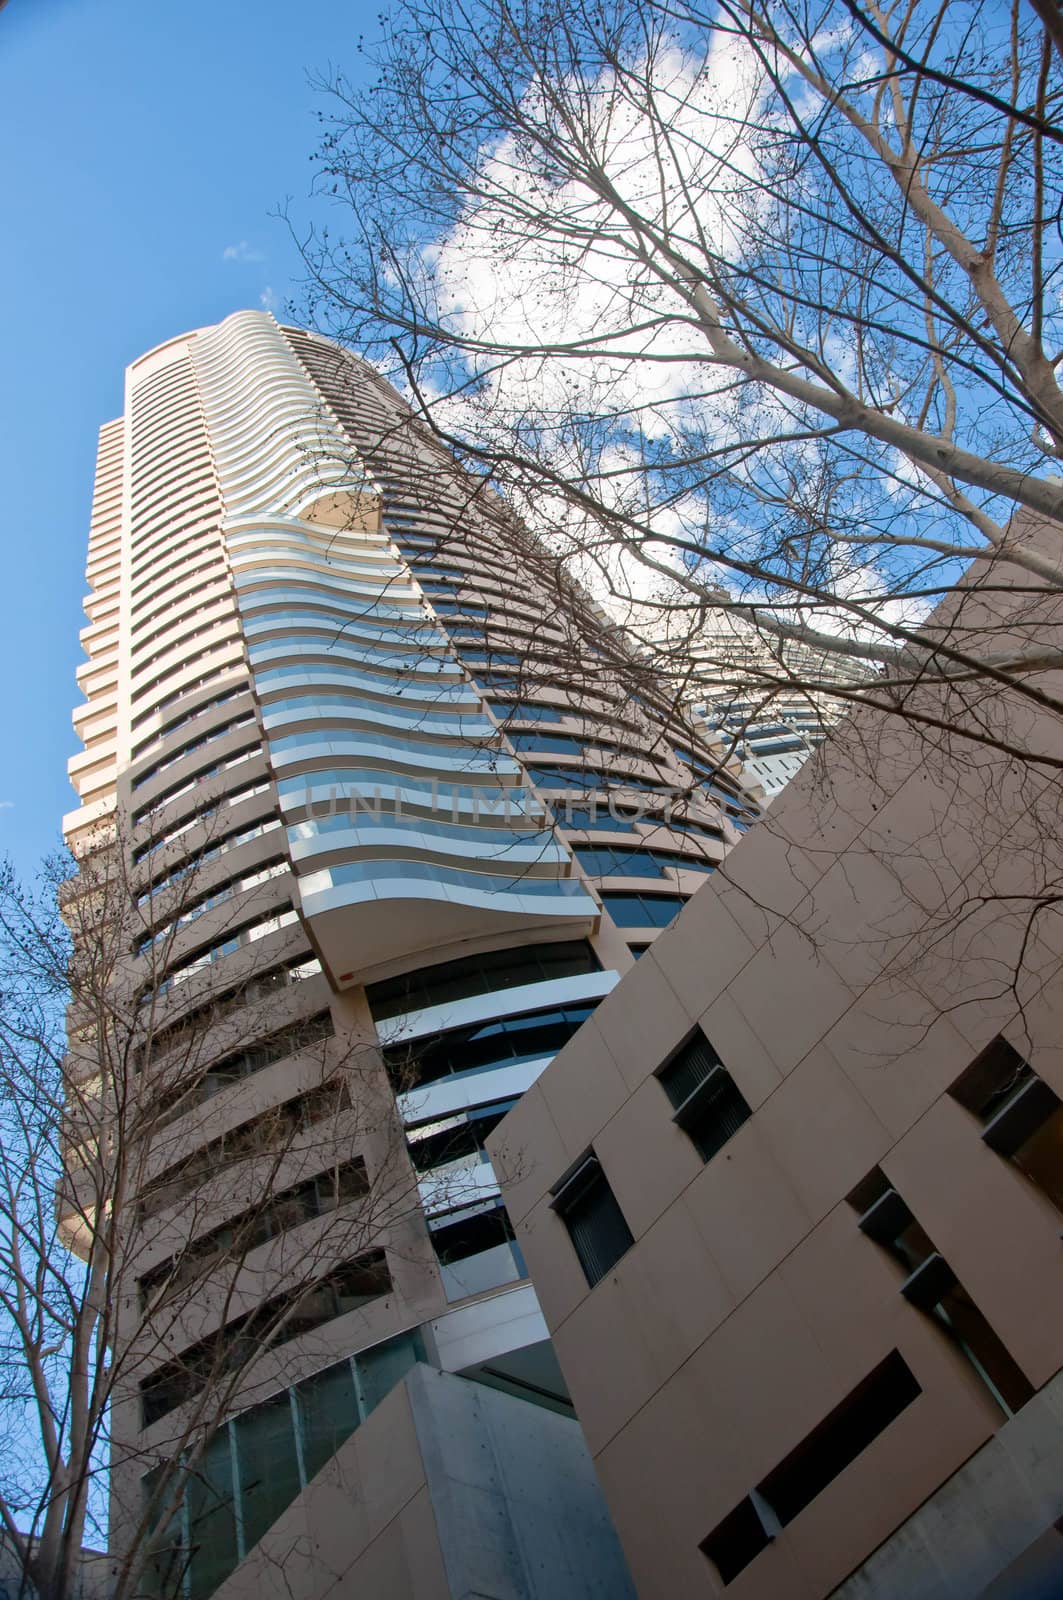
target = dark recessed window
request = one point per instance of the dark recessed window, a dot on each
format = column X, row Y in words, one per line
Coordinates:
column 457, row 1138
column 709, row 1106
column 464, row 608
column 704, row 830
column 286, row 1316
column 596, row 1225
column 848, row 1431
column 734, row 1542
column 1022, row 1118
column 820, row 1458
column 481, row 974
column 483, row 1045
column 931, row 1286
column 993, row 1077
column 470, row 1234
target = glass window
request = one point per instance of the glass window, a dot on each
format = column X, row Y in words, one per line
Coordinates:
column 603, row 862
column 268, row 1465
column 548, row 743
column 477, row 1253
column 461, row 608
column 385, row 1365
column 483, row 974
column 481, row 1047
column 211, row 1503
column 328, row 1414
column 595, row 816
column 436, row 1144
column 709, row 1106
column 643, row 910
column 285, row 1317
column 242, row 1063
column 525, row 711
column 590, row 778
column 357, row 1282
column 470, row 1235
column 1021, row 1116
column 167, row 1558
column 596, row 1225
column 277, row 1452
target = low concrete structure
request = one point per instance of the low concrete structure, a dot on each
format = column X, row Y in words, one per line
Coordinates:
column 449, row 1490
column 1003, row 1506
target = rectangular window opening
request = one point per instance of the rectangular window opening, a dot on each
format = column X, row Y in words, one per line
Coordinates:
column 708, row 1104
column 823, row 1455
column 736, row 1541
column 1021, row 1116
column 931, row 1286
column 596, row 1225
column 840, row 1438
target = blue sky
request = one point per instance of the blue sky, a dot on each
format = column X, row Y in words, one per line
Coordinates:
column 141, row 142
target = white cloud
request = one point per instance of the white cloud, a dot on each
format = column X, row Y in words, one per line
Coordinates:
column 579, row 283
column 7, row 805
column 269, row 299
column 534, row 267
column 242, row 252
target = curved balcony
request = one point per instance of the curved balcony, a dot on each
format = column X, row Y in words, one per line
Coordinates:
column 341, row 652
column 534, row 852
column 366, row 914
column 329, row 589
column 454, row 697
column 309, row 712
column 326, row 792
column 287, row 456
column 340, row 620
column 422, row 637
column 464, row 760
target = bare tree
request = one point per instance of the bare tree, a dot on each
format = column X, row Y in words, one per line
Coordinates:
column 756, row 310
column 157, row 1259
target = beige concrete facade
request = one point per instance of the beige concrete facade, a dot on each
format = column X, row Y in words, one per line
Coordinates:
column 893, row 922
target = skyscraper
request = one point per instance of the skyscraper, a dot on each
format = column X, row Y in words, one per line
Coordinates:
column 770, row 705
column 392, row 806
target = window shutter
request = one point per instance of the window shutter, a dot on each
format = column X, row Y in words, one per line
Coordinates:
column 596, row 1225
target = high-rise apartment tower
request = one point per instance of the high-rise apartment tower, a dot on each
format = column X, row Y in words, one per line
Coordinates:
column 394, row 808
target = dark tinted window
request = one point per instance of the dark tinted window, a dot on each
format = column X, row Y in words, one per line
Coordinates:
column 602, row 861
column 484, row 1045
column 709, row 1106
column 643, row 910
column 596, row 1225
column 482, row 974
